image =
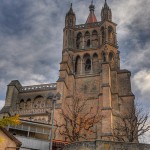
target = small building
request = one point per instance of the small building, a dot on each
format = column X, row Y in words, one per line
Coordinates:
column 35, row 135
column 9, row 142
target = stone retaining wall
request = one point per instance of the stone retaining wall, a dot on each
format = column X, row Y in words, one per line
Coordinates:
column 106, row 145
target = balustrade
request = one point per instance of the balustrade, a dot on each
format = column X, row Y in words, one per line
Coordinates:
column 81, row 26
column 32, row 111
column 39, row 87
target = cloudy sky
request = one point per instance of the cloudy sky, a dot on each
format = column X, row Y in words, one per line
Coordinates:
column 31, row 40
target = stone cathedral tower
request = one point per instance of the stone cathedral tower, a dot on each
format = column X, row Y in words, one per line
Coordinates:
column 91, row 64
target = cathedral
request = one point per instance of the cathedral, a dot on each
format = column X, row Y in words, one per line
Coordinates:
column 90, row 65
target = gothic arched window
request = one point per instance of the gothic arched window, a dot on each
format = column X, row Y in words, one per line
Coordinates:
column 88, row 43
column 87, row 39
column 110, row 56
column 21, row 105
column 88, row 65
column 39, row 102
column 104, row 57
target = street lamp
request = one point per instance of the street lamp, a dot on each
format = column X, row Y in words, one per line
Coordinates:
column 54, row 98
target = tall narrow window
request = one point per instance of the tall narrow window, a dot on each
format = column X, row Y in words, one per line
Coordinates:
column 104, row 57
column 110, row 56
column 88, row 43
column 88, row 65
column 87, row 39
column 78, row 40
column 103, row 35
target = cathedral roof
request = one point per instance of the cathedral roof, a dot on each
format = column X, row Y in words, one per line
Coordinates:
column 91, row 18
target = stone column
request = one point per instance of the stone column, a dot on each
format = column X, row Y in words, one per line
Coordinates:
column 90, row 41
column 81, row 71
column 83, row 42
column 106, row 34
column 99, row 41
column 74, row 67
column 106, row 102
column 91, row 65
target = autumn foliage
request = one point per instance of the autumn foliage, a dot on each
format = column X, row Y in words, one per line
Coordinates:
column 13, row 120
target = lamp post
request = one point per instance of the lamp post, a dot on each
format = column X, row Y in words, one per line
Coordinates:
column 54, row 99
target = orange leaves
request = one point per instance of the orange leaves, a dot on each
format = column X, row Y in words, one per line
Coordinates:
column 13, row 120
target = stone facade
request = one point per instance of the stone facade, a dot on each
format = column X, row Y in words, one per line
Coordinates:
column 90, row 64
column 30, row 102
column 106, row 145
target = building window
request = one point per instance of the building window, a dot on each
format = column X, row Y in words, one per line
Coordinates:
column 104, row 57
column 88, row 43
column 88, row 65
column 110, row 56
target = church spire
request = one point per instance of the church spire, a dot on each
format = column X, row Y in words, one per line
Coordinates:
column 70, row 17
column 70, row 12
column 106, row 12
column 105, row 5
column 91, row 18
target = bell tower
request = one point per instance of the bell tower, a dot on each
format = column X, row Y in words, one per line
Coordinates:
column 91, row 64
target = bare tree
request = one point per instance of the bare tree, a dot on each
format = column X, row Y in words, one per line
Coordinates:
column 79, row 119
column 129, row 126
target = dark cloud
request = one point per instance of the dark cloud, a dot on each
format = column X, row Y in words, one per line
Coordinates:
column 31, row 33
column 13, row 16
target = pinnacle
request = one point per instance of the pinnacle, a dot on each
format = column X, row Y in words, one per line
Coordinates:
column 92, row 7
column 71, row 5
column 71, row 10
column 91, row 18
column 106, row 5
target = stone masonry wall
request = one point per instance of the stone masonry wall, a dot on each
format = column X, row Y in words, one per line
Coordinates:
column 106, row 145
